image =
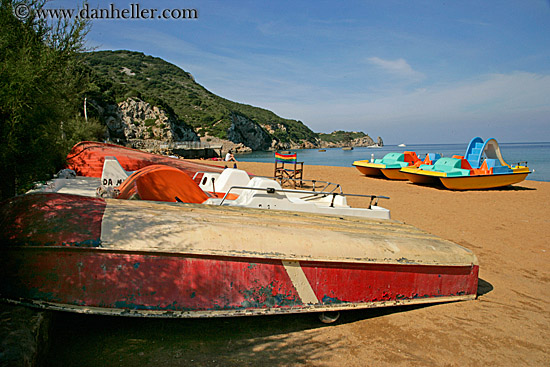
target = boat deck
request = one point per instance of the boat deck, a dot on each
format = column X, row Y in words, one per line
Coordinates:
column 145, row 226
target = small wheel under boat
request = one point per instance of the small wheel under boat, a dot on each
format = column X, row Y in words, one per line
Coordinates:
column 329, row 317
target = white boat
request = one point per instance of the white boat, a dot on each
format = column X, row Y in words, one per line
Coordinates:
column 232, row 187
column 402, row 145
column 266, row 193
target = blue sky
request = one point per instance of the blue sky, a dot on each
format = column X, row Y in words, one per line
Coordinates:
column 418, row 71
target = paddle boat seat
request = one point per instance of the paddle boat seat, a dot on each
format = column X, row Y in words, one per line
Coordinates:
column 450, row 166
column 398, row 160
column 222, row 182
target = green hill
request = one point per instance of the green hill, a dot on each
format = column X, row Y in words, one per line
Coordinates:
column 117, row 75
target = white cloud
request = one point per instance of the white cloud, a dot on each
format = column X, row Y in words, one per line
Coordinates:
column 399, row 67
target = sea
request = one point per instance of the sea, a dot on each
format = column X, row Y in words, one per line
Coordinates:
column 537, row 155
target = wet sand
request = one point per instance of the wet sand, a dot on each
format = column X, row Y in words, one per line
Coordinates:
column 508, row 325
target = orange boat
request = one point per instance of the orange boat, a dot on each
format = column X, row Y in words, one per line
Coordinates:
column 86, row 159
column 163, row 183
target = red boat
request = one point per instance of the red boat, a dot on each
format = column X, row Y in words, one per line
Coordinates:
column 86, row 159
column 140, row 258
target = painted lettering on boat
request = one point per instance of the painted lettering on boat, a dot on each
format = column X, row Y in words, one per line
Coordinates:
column 109, row 182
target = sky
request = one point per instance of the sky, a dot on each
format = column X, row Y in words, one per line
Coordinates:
column 422, row 71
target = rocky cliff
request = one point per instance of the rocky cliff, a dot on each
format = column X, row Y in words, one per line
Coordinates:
column 362, row 141
column 136, row 119
column 143, row 126
column 249, row 133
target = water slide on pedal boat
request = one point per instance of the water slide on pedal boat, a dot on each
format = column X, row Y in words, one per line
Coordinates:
column 157, row 259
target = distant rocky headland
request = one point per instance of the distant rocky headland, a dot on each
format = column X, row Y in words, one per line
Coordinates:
column 148, row 103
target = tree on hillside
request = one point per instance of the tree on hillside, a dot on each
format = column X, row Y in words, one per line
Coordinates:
column 41, row 84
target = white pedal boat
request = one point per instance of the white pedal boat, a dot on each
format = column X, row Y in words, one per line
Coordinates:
column 232, row 187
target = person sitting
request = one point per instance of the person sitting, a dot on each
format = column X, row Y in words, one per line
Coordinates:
column 229, row 157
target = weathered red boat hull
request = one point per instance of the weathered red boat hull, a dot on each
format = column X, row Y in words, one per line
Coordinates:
column 185, row 285
column 68, row 252
column 86, row 159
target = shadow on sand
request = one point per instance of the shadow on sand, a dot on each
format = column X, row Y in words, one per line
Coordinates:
column 483, row 287
column 87, row 340
column 503, row 188
column 439, row 186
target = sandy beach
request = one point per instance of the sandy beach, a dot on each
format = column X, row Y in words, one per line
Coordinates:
column 508, row 229
column 508, row 325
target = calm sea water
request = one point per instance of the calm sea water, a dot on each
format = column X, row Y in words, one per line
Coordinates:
column 537, row 155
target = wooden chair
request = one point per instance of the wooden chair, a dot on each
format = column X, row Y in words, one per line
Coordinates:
column 288, row 169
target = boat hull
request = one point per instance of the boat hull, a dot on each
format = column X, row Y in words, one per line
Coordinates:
column 421, row 179
column 394, row 174
column 368, row 171
column 87, row 158
column 138, row 258
column 482, row 181
column 169, row 285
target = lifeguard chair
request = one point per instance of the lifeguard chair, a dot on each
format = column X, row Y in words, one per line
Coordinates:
column 288, row 169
